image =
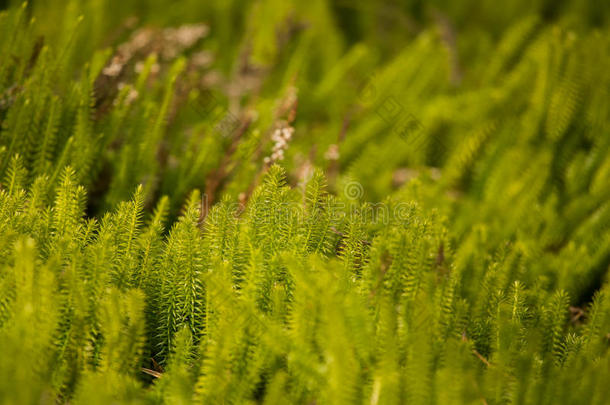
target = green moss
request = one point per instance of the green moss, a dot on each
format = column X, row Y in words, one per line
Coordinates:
column 310, row 202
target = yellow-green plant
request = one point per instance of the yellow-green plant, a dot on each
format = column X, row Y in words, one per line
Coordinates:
column 311, row 202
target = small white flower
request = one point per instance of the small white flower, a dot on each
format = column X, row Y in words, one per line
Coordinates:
column 131, row 96
column 114, row 69
column 280, row 138
column 332, row 153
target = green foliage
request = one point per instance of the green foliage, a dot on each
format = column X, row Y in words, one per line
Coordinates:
column 309, row 202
